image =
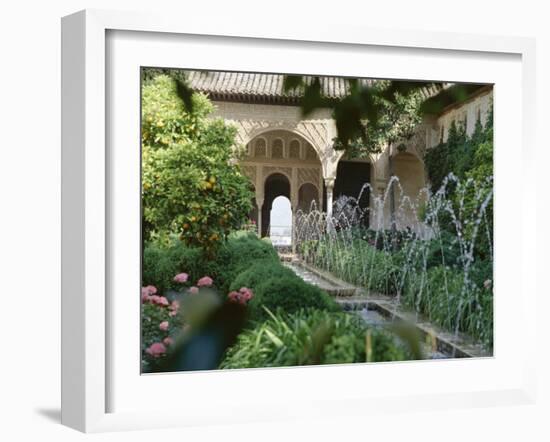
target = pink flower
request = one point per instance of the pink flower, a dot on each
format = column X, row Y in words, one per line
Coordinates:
column 154, row 299
column 205, row 281
column 168, row 341
column 174, row 308
column 247, row 294
column 181, row 278
column 193, row 290
column 146, row 292
column 157, row 349
column 164, row 325
column 242, row 296
column 163, row 301
column 151, row 289
column 234, row 296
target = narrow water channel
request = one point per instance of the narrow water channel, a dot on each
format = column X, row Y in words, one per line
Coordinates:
column 370, row 316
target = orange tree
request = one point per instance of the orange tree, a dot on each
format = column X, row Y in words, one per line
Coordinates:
column 191, row 184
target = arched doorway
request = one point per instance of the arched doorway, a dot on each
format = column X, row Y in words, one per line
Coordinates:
column 407, row 192
column 308, row 198
column 275, row 185
column 353, row 178
column 280, row 229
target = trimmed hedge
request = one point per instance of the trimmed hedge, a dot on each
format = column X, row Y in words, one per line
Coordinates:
column 240, row 251
column 243, row 261
column 278, row 288
column 161, row 263
column 260, row 272
column 289, row 295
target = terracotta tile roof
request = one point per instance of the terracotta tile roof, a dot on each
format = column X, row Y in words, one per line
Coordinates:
column 258, row 87
column 268, row 88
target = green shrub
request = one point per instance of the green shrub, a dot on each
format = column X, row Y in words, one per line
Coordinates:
column 443, row 250
column 469, row 158
column 162, row 262
column 260, row 272
column 161, row 324
column 310, row 337
column 238, row 253
column 288, row 294
column 254, row 264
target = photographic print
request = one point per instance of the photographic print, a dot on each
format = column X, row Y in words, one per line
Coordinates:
column 296, row 220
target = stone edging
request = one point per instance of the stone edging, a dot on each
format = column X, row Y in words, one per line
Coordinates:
column 454, row 346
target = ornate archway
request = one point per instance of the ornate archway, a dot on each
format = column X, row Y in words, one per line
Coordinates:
column 275, row 185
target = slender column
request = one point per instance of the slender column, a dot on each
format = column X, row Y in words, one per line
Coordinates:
column 392, row 189
column 294, row 189
column 321, row 194
column 329, row 183
column 259, row 203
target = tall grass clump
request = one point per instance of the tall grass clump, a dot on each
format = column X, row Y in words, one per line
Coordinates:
column 311, row 337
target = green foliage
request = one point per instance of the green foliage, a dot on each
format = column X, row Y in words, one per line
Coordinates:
column 431, row 276
column 190, row 185
column 152, row 316
column 161, row 263
column 359, row 262
column 454, row 302
column 287, row 293
column 469, row 158
column 237, row 254
column 481, row 173
column 247, row 261
column 183, row 89
column 160, row 326
column 310, row 337
column 259, row 272
column 397, row 117
column 162, row 260
column 165, row 119
column 377, row 102
column 462, row 155
column 397, row 121
column 443, row 250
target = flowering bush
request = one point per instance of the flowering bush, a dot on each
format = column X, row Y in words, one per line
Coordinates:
column 161, row 321
column 242, row 296
column 181, row 278
column 159, row 325
column 205, row 281
column 163, row 261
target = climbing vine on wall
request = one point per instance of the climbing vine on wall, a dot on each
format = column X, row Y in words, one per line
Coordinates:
column 470, row 159
column 459, row 154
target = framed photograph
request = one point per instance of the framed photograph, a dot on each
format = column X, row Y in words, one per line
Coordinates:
column 294, row 222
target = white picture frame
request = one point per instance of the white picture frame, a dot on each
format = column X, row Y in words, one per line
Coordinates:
column 86, row 206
